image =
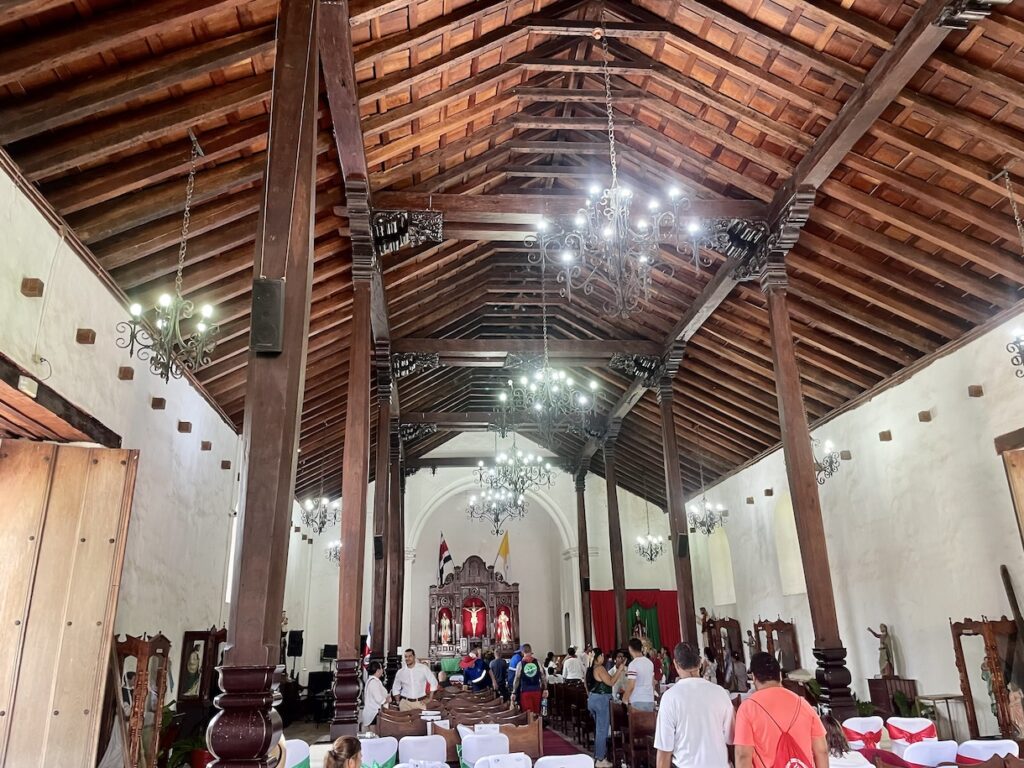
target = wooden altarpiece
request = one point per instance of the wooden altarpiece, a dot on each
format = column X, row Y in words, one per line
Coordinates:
column 780, row 641
column 151, row 655
column 725, row 636
column 474, row 606
column 1000, row 640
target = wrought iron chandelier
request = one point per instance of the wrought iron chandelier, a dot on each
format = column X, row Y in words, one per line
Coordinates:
column 514, row 470
column 497, row 506
column 320, row 513
column 702, row 516
column 615, row 240
column 170, row 349
column 829, row 464
column 551, row 395
column 649, row 547
column 333, row 552
column 1016, row 345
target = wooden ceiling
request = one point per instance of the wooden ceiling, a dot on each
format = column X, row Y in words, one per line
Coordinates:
column 910, row 245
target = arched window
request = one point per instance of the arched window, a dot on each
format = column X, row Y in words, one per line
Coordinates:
column 723, row 587
column 787, row 548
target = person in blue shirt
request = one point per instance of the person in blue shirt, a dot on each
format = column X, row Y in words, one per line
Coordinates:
column 513, row 665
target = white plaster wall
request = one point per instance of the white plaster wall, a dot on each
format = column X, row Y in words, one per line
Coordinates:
column 178, row 536
column 916, row 528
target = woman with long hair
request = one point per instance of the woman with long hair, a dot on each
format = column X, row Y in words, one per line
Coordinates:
column 599, row 697
column 839, row 753
column 346, row 752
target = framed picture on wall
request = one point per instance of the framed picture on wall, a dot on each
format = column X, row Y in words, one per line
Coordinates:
column 200, row 654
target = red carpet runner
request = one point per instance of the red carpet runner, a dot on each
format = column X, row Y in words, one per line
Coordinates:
column 557, row 745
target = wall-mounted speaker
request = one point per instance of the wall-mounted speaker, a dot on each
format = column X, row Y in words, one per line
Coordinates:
column 586, row 584
column 295, row 642
column 267, row 333
column 378, row 547
column 682, row 546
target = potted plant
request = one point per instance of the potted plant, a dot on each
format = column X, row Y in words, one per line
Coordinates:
column 190, row 752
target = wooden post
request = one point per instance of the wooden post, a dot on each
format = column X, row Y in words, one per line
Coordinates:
column 615, row 533
column 832, row 673
column 679, row 541
column 247, row 726
column 354, row 478
column 395, row 553
column 381, row 486
column 584, row 554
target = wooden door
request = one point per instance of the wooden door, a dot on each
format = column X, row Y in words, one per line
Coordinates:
column 65, row 519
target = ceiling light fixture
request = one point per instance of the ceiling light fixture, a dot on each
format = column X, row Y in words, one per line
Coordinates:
column 649, row 547
column 829, row 463
column 497, row 506
column 701, row 515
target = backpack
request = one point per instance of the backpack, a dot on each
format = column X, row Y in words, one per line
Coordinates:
column 788, row 753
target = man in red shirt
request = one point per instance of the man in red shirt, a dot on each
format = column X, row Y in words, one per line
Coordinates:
column 772, row 712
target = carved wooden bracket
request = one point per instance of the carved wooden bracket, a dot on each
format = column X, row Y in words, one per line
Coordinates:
column 393, row 230
column 767, row 264
column 410, row 432
column 960, row 14
column 407, row 363
column 357, row 201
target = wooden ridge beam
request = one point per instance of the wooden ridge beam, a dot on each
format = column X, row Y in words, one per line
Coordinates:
column 561, row 348
column 531, row 93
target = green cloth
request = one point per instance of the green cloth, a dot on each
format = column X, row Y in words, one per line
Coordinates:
column 303, row 764
column 450, row 665
column 389, row 764
column 649, row 616
column 462, row 763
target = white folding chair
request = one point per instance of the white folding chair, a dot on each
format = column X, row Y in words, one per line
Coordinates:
column 477, row 745
column 439, row 723
column 974, row 752
column 905, row 731
column 565, row 761
column 514, row 760
column 928, row 754
column 863, row 732
column 296, row 754
column 317, row 755
column 431, row 748
column 379, row 752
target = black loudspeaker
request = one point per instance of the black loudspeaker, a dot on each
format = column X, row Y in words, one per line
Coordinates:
column 295, row 642
column 682, row 545
column 586, row 584
column 378, row 547
column 267, row 332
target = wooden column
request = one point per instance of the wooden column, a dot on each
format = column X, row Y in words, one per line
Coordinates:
column 584, row 555
column 615, row 534
column 355, row 473
column 400, row 576
column 679, row 544
column 832, row 672
column 395, row 554
column 382, row 486
column 247, row 726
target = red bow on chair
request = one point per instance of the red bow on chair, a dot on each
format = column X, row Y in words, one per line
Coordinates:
column 870, row 738
column 911, row 738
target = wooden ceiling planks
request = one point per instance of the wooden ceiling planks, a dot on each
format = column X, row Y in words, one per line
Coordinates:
column 492, row 104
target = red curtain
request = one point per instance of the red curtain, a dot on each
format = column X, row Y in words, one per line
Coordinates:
column 602, row 606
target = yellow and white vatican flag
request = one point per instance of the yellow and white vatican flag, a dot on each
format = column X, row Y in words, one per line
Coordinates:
column 503, row 556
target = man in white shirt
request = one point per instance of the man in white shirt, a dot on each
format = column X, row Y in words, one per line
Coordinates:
column 414, row 685
column 573, row 668
column 695, row 720
column 639, row 690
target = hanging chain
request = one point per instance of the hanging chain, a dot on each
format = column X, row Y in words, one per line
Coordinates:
column 544, row 309
column 700, row 463
column 608, row 105
column 186, row 218
column 1013, row 204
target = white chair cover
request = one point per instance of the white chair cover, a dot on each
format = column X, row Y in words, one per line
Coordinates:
column 871, row 727
column 928, row 754
column 464, row 730
column 317, row 755
column 296, row 754
column 486, row 728
column 442, row 723
column 907, row 730
column 430, row 748
column 974, row 752
column 422, row 764
column 515, row 760
column 477, row 745
column 379, row 751
column 565, row 761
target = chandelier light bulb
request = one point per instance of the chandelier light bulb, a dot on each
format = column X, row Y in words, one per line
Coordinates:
column 568, row 381
column 639, row 539
column 201, row 327
column 673, row 193
column 642, row 226
column 538, row 407
column 643, row 259
column 503, row 397
column 693, row 227
column 522, row 380
column 542, row 226
column 308, row 504
column 567, row 256
column 135, row 310
column 627, row 192
column 160, row 324
column 206, row 311
column 593, row 385
column 579, row 221
column 653, row 205
column 164, row 300
column 582, row 400
column 595, row 190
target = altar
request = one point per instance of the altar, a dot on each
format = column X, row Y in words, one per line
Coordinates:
column 474, row 607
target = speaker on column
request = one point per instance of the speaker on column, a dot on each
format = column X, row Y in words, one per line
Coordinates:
column 295, row 642
column 267, row 332
column 378, row 547
column 682, row 545
column 586, row 583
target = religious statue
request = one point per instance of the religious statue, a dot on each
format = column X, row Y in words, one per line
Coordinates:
column 1016, row 701
column 886, row 664
column 751, row 643
column 639, row 628
column 986, row 675
column 503, row 627
column 446, row 629
column 705, row 627
column 284, row 621
column 474, row 613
